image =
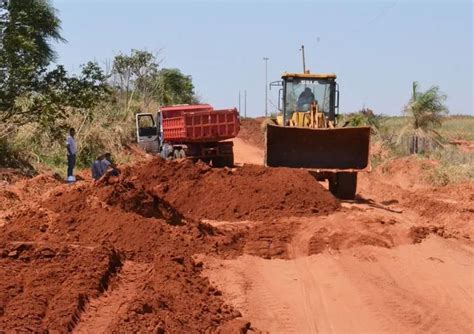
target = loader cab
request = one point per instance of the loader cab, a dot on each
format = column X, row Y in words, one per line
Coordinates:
column 302, row 89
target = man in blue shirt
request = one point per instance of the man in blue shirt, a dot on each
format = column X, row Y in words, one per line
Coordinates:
column 101, row 165
column 96, row 168
column 71, row 154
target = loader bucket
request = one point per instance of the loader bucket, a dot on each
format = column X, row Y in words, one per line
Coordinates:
column 325, row 149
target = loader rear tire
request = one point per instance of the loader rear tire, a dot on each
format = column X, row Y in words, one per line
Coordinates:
column 343, row 185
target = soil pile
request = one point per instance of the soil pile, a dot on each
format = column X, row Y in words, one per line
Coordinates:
column 57, row 258
column 251, row 131
column 10, row 175
column 44, row 286
column 80, row 236
column 247, row 193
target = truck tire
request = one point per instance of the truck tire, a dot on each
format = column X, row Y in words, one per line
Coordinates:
column 230, row 161
column 343, row 185
column 223, row 161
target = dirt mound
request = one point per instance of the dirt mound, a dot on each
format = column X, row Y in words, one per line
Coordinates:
column 407, row 172
column 247, row 193
column 147, row 216
column 325, row 240
column 400, row 184
column 44, row 286
column 251, row 131
column 11, row 175
column 86, row 219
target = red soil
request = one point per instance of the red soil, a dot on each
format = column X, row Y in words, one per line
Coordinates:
column 61, row 245
column 251, row 131
column 247, row 193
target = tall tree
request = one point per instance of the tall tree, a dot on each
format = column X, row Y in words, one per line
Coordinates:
column 174, row 87
column 28, row 29
column 135, row 73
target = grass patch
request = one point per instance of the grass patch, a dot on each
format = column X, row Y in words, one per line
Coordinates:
column 454, row 165
column 458, row 128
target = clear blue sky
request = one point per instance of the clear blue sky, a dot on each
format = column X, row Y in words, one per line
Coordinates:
column 376, row 48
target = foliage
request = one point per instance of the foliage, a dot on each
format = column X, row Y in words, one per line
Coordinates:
column 458, row 128
column 38, row 101
column 12, row 158
column 138, row 76
column 425, row 112
column 454, row 166
column 426, row 108
column 174, row 87
column 135, row 73
column 364, row 117
column 57, row 95
column 28, row 27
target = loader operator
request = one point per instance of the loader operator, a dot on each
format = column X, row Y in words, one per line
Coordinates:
column 305, row 99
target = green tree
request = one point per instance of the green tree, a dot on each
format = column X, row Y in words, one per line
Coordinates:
column 58, row 94
column 137, row 75
column 173, row 87
column 425, row 111
column 134, row 75
column 28, row 27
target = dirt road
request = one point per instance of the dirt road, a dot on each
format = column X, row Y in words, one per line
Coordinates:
column 383, row 264
column 178, row 247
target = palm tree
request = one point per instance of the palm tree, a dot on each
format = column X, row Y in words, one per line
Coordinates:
column 425, row 111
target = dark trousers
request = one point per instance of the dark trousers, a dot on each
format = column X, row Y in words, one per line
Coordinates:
column 71, row 162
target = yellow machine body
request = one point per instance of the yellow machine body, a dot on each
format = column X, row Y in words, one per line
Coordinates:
column 310, row 138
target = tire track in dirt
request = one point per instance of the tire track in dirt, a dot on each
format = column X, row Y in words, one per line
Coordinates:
column 101, row 312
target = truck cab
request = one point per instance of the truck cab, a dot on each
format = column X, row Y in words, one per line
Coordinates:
column 148, row 132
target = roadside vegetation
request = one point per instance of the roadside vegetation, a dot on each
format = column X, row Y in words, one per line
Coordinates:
column 40, row 100
column 446, row 142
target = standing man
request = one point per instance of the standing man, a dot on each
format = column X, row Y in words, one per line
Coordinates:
column 71, row 154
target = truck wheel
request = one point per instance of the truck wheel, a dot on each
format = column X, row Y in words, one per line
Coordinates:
column 343, row 185
column 223, row 161
column 229, row 161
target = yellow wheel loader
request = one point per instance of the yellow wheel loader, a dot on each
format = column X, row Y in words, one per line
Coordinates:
column 306, row 133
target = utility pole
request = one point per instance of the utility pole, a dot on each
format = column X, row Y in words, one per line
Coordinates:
column 239, row 105
column 304, row 63
column 266, row 85
column 245, row 103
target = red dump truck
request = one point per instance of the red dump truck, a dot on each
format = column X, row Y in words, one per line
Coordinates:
column 197, row 132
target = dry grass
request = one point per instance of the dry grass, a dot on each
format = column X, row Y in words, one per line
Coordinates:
column 104, row 129
column 454, row 165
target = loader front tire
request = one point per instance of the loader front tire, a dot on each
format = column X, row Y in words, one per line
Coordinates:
column 343, row 185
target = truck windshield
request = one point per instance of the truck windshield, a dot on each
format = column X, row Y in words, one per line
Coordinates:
column 300, row 93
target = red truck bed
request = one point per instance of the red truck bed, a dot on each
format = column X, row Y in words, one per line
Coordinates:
column 198, row 123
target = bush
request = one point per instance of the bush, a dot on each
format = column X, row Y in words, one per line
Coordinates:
column 10, row 157
column 454, row 166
